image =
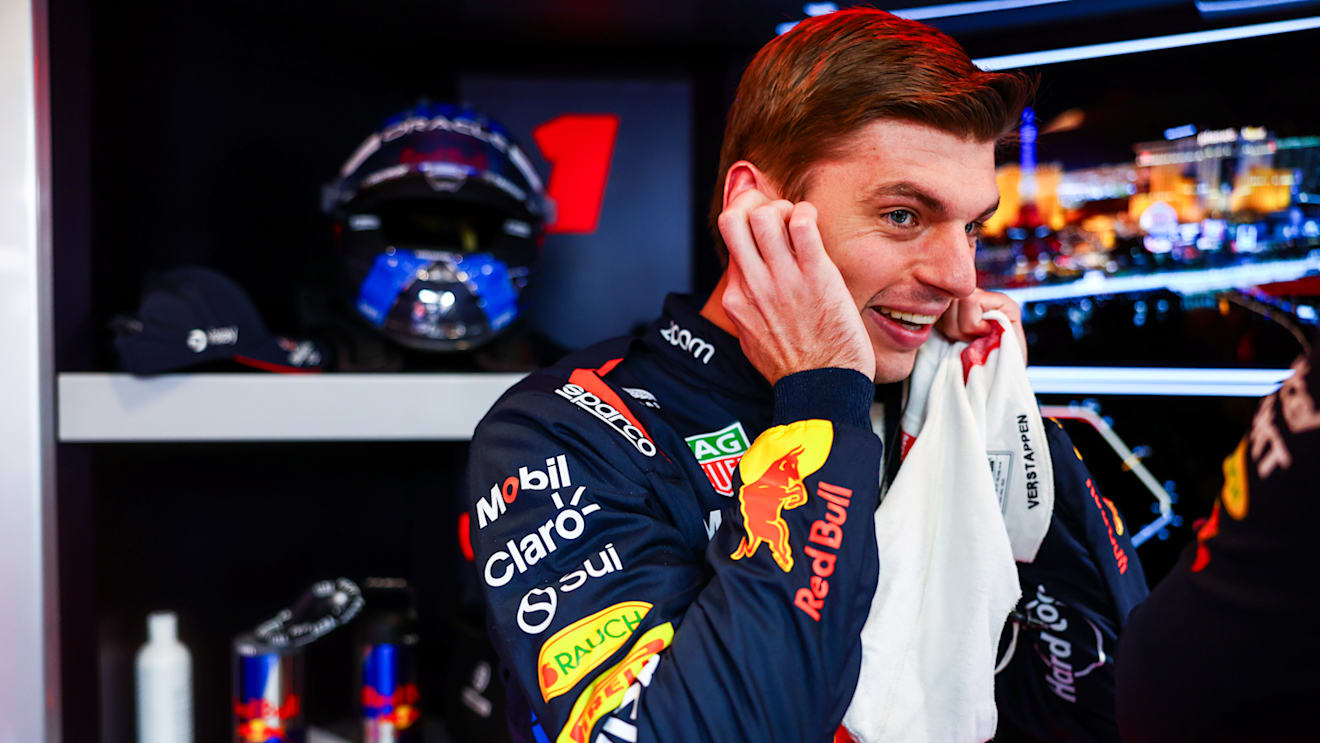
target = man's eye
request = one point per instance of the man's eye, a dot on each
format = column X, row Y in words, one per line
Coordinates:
column 974, row 228
column 902, row 217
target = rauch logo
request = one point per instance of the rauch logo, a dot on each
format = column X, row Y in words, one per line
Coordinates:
column 574, row 651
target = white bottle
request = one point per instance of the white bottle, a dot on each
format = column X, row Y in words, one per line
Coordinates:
column 164, row 684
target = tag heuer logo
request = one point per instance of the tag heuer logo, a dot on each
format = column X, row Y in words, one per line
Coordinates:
column 718, row 453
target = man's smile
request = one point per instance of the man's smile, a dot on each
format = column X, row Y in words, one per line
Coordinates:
column 903, row 333
column 907, row 318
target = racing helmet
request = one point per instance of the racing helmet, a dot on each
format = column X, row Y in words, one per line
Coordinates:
column 439, row 219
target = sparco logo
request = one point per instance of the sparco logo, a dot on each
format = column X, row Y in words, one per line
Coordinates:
column 684, row 339
column 609, row 415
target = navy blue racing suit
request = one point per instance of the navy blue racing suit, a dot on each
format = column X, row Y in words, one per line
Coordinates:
column 671, row 549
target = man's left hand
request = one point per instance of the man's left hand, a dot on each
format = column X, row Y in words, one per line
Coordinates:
column 964, row 319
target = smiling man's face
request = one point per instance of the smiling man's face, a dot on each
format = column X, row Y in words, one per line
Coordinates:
column 899, row 215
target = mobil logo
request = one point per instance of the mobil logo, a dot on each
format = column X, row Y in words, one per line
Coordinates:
column 718, row 453
column 505, row 492
column 772, row 471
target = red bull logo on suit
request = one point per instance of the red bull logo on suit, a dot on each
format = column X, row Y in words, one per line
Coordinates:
column 772, row 472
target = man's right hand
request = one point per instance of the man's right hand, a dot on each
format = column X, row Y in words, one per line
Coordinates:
column 785, row 296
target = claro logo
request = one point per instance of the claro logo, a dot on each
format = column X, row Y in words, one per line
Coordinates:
column 684, row 339
column 567, row 525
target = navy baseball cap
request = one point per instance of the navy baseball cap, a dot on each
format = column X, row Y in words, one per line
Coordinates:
column 194, row 315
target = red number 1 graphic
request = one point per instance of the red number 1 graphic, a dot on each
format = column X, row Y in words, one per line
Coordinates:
column 579, row 148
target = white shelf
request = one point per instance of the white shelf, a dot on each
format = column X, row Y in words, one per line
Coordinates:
column 442, row 407
column 273, row 407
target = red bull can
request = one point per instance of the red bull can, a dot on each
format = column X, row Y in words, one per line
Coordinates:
column 268, row 693
column 390, row 702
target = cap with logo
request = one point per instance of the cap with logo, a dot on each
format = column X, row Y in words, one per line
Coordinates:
column 191, row 316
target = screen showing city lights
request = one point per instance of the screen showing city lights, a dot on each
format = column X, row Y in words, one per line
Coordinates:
column 1185, row 171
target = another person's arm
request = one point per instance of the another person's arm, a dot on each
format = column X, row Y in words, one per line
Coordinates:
column 1222, row 649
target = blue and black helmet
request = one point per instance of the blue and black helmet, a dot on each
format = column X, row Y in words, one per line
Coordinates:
column 440, row 216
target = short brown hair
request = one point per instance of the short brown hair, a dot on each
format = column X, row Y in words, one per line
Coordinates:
column 808, row 89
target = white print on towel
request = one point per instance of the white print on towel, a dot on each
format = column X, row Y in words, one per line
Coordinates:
column 1061, row 657
column 1029, row 462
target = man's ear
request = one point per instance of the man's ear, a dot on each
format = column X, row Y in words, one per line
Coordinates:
column 744, row 176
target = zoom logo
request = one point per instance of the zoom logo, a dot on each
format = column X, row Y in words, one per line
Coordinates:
column 684, row 339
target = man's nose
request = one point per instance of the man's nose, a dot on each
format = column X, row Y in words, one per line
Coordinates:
column 949, row 262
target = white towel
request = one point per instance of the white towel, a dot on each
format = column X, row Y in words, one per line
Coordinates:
column 975, row 491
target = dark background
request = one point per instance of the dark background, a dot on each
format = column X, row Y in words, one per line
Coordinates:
column 201, row 133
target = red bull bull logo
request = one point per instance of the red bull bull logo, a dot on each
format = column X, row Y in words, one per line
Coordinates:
column 772, row 472
column 261, row 731
column 398, row 708
column 260, row 721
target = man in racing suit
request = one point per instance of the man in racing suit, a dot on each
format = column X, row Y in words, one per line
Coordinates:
column 675, row 530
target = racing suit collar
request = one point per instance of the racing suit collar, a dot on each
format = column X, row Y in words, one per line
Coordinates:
column 685, row 338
